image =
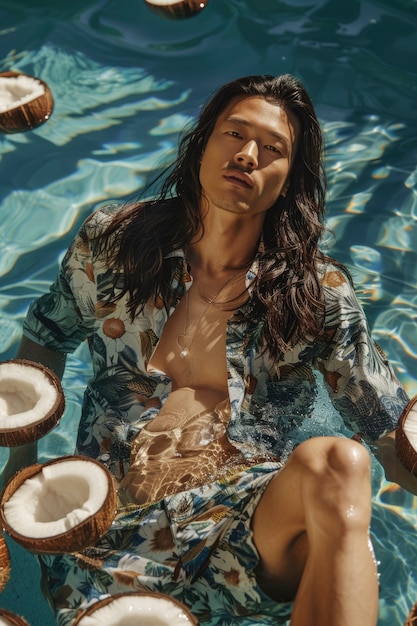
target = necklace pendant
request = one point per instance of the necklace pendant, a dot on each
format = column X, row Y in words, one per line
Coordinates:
column 183, row 342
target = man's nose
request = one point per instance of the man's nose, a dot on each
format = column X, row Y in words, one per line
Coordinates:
column 247, row 156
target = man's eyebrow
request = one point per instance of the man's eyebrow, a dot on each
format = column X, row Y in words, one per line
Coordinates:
column 273, row 133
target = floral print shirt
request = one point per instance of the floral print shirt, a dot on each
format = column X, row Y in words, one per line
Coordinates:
column 273, row 404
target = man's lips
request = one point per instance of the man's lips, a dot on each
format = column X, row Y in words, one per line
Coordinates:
column 239, row 177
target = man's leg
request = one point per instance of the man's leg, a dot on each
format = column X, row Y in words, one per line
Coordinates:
column 311, row 531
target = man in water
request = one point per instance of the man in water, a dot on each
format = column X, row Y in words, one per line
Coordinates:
column 211, row 313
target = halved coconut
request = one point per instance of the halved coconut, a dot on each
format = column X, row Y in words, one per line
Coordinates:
column 176, row 9
column 7, row 618
column 406, row 437
column 25, row 102
column 31, row 401
column 140, row 608
column 64, row 505
column 4, row 564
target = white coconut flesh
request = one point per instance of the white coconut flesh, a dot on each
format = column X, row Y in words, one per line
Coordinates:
column 56, row 499
column 19, row 90
column 139, row 610
column 26, row 395
column 410, row 426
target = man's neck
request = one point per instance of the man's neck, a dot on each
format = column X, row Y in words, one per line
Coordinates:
column 225, row 246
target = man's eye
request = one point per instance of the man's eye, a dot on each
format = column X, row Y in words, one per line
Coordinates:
column 273, row 148
column 233, row 133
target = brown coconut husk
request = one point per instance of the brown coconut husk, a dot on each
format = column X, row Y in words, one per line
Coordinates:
column 11, row 437
column 77, row 538
column 143, row 594
column 4, row 563
column 15, row 620
column 178, row 10
column 405, row 451
column 412, row 617
column 29, row 115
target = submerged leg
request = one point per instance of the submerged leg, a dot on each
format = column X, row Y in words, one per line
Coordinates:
column 311, row 529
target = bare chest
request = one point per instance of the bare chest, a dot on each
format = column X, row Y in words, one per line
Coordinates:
column 192, row 348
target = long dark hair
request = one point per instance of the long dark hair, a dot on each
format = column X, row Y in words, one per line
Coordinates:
column 287, row 292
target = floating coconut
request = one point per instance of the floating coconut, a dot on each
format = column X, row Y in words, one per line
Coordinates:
column 64, row 505
column 10, row 619
column 25, row 102
column 412, row 617
column 31, row 401
column 140, row 608
column 176, row 9
column 4, row 564
column 406, row 437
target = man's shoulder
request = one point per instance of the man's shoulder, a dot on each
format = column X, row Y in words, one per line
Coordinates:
column 333, row 274
column 103, row 216
column 102, row 219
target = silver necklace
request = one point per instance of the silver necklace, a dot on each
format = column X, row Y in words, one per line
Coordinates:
column 185, row 339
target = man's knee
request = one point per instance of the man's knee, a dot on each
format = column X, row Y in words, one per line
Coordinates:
column 327, row 457
column 335, row 481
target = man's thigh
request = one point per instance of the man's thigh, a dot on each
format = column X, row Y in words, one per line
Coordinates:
column 278, row 526
column 323, row 476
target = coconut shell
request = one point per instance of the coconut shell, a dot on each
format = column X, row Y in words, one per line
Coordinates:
column 405, row 451
column 142, row 594
column 4, row 563
column 412, row 617
column 177, row 10
column 11, row 437
column 77, row 538
column 30, row 115
column 14, row 619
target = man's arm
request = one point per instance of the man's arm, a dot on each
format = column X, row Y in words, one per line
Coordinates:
column 395, row 471
column 23, row 456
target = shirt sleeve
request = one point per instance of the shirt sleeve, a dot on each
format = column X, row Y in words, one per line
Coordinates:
column 360, row 380
column 65, row 316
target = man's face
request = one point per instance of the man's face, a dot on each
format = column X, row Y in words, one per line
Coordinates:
column 246, row 163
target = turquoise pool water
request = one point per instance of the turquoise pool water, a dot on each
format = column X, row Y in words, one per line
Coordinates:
column 125, row 82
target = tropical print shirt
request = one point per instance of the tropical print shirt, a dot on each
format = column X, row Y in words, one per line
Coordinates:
column 274, row 404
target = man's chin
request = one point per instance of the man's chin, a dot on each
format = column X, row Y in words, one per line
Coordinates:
column 235, row 207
